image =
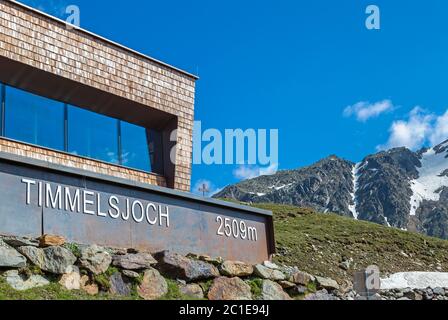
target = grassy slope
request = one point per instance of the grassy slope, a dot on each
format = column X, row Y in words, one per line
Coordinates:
column 317, row 243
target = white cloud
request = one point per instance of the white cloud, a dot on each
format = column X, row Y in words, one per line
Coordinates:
column 212, row 189
column 419, row 129
column 365, row 110
column 440, row 131
column 251, row 172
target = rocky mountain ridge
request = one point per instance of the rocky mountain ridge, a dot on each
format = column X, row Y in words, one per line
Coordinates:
column 397, row 188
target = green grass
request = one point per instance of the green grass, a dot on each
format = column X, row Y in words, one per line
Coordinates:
column 318, row 243
column 206, row 285
column 74, row 248
column 255, row 287
column 174, row 292
column 51, row 292
column 103, row 280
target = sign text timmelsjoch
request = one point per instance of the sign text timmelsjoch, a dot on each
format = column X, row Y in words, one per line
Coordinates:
column 88, row 202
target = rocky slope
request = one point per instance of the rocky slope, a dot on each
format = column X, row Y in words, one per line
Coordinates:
column 398, row 188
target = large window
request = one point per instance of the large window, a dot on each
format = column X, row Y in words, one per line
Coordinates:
column 44, row 122
column 34, row 119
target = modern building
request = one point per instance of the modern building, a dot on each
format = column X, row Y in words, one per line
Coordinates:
column 98, row 131
column 56, row 81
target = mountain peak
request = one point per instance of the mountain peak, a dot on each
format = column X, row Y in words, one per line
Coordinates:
column 442, row 147
column 397, row 188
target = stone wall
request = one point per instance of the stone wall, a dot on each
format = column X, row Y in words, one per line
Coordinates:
column 115, row 273
column 42, row 42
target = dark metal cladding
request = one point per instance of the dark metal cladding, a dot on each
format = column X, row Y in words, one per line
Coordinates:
column 38, row 197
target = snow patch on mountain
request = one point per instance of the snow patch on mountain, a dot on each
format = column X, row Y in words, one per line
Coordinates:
column 430, row 181
column 281, row 187
column 355, row 174
column 258, row 194
column 415, row 280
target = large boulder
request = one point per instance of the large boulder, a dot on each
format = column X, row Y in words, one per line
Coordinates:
column 153, row 285
column 137, row 261
column 229, row 289
column 273, row 291
column 327, row 283
column 95, row 259
column 268, row 273
column 118, row 286
column 71, row 280
column 17, row 242
column 10, row 258
column 179, row 267
column 20, row 283
column 236, row 269
column 57, row 260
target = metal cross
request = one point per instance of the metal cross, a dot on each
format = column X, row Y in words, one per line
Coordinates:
column 204, row 189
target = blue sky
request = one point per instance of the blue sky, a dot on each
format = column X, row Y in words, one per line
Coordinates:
column 295, row 66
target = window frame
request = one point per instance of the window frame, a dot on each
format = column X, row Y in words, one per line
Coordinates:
column 66, row 137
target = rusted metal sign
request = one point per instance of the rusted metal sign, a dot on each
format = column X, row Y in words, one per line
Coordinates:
column 84, row 207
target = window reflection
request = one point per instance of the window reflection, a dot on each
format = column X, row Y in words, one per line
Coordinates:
column 48, row 123
column 34, row 119
column 92, row 135
column 135, row 150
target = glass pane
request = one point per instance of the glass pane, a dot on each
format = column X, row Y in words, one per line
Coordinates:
column 34, row 119
column 135, row 148
column 2, row 110
column 92, row 135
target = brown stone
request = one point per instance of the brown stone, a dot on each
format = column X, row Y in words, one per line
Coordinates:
column 301, row 278
column 84, row 279
column 71, row 280
column 89, row 288
column 153, row 286
column 236, row 269
column 229, row 289
column 48, row 240
column 192, row 290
